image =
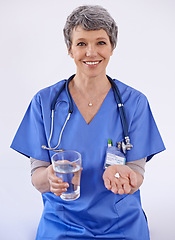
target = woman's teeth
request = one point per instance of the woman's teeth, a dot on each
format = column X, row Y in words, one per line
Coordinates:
column 92, row 63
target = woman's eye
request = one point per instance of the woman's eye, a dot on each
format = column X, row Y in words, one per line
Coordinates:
column 101, row 43
column 81, row 44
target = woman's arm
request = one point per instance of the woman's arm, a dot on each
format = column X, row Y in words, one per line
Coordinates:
column 45, row 180
column 40, row 179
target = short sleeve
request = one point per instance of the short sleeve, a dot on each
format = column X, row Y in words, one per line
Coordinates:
column 30, row 135
column 144, row 134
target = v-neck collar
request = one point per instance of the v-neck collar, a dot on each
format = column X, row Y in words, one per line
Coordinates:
column 97, row 113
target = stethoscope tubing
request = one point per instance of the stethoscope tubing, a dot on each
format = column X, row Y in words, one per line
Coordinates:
column 118, row 99
column 119, row 102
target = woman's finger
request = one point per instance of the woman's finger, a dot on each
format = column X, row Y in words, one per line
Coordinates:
column 114, row 187
column 119, row 184
column 126, row 188
column 58, row 189
column 59, row 185
column 107, row 183
column 58, row 192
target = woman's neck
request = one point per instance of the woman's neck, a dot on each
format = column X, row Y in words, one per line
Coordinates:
column 91, row 85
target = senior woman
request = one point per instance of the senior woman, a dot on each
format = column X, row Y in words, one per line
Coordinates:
column 109, row 207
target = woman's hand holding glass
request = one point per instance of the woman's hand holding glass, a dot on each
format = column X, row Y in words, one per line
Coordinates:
column 57, row 186
column 124, row 183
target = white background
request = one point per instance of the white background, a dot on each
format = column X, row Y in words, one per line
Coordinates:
column 33, row 55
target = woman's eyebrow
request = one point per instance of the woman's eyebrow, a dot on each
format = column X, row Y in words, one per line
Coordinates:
column 84, row 39
column 80, row 39
column 101, row 38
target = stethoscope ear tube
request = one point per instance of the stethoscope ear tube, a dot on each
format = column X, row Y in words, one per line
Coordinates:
column 68, row 94
column 53, row 104
column 65, row 85
column 125, row 145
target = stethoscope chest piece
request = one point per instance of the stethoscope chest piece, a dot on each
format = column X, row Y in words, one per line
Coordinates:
column 126, row 145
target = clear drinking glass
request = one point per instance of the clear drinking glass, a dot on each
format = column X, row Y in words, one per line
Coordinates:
column 67, row 166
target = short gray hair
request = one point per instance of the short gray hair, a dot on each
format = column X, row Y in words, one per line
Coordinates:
column 90, row 17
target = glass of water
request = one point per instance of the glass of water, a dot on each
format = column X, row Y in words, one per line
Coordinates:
column 67, row 166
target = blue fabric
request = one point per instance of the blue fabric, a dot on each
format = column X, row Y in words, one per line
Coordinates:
column 98, row 213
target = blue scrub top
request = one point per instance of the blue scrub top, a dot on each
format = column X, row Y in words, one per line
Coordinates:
column 98, row 213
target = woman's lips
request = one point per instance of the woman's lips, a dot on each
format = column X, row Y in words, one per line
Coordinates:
column 92, row 63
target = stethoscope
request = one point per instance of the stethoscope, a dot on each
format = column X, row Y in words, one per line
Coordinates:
column 126, row 145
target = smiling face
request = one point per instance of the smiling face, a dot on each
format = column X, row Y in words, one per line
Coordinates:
column 91, row 51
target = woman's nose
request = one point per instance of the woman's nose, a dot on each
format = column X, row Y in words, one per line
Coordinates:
column 91, row 51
